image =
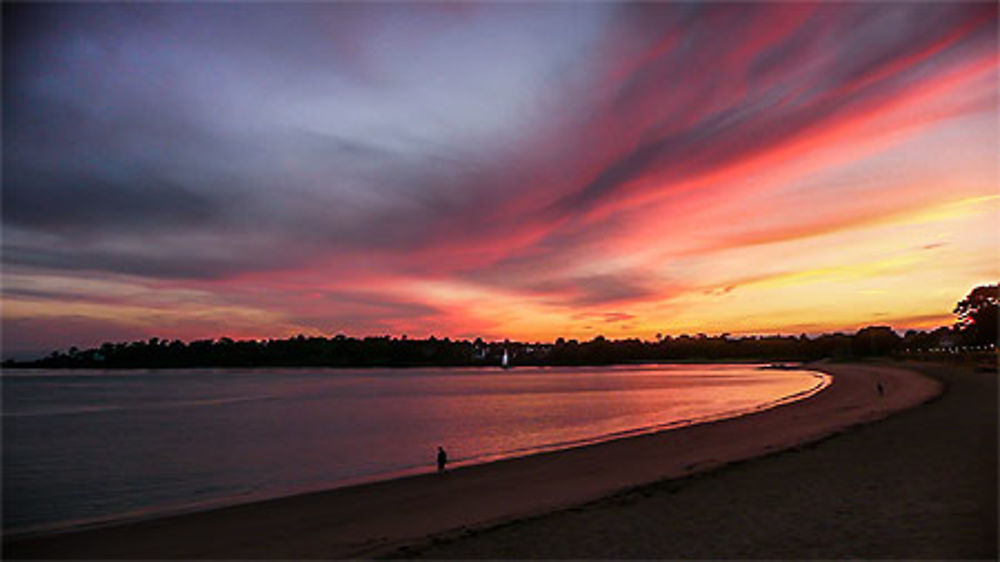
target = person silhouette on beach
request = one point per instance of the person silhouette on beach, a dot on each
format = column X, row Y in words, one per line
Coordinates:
column 442, row 459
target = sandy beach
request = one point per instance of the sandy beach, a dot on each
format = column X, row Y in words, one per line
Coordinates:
column 661, row 495
column 919, row 485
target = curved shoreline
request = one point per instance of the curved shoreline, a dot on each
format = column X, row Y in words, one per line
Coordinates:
column 819, row 382
column 919, row 485
column 368, row 519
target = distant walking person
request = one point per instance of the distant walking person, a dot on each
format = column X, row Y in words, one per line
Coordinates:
column 442, row 459
column 880, row 389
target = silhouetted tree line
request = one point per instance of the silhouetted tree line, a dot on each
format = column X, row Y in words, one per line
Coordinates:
column 343, row 351
column 975, row 330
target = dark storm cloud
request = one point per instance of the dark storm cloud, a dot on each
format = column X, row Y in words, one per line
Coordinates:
column 145, row 262
column 272, row 126
column 83, row 204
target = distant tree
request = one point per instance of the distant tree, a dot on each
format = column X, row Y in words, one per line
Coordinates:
column 977, row 315
column 875, row 340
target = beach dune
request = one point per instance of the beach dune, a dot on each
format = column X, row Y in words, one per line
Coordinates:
column 379, row 518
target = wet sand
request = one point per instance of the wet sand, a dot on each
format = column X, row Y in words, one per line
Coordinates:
column 527, row 501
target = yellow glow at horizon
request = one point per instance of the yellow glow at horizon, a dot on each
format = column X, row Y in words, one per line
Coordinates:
column 887, row 272
column 867, row 276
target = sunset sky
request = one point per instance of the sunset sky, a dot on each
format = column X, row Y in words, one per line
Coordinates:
column 515, row 170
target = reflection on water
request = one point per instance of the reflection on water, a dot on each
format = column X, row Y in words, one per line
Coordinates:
column 83, row 445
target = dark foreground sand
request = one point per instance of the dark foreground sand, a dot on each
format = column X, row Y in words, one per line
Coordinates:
column 922, row 483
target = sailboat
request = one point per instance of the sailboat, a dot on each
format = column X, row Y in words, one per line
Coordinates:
column 505, row 361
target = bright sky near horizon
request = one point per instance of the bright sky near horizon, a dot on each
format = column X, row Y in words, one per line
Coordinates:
column 509, row 170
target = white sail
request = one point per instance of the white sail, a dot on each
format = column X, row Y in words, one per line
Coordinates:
column 504, row 362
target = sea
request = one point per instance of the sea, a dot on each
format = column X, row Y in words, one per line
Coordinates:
column 89, row 447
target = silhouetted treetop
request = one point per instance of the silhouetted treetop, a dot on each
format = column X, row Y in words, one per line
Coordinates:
column 977, row 314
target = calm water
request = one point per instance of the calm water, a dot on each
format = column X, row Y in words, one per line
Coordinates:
column 83, row 446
